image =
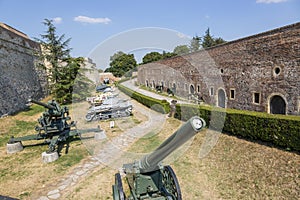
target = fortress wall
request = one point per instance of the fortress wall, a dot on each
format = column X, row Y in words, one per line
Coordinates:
column 267, row 64
column 19, row 78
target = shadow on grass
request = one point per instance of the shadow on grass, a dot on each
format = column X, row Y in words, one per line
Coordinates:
column 264, row 143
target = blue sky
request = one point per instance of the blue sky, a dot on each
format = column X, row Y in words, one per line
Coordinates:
column 92, row 23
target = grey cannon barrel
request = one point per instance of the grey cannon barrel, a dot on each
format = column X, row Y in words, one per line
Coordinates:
column 151, row 161
column 42, row 104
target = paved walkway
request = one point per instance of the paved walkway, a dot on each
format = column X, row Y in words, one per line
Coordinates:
column 131, row 84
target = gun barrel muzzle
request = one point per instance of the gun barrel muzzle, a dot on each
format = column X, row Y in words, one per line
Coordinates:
column 183, row 134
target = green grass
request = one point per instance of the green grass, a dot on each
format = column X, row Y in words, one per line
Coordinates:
column 19, row 129
column 33, row 110
column 146, row 144
column 74, row 156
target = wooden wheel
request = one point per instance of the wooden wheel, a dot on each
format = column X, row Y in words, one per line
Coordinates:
column 170, row 184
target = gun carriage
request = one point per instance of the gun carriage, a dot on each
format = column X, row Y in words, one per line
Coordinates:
column 148, row 178
column 54, row 127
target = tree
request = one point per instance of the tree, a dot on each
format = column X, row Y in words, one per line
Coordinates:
column 62, row 69
column 209, row 41
column 65, row 86
column 151, row 57
column 195, row 44
column 168, row 55
column 181, row 49
column 219, row 41
column 121, row 63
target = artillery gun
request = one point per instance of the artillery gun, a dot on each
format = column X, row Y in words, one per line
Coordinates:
column 54, row 127
column 148, row 178
column 110, row 108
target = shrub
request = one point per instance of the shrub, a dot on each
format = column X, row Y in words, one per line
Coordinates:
column 280, row 130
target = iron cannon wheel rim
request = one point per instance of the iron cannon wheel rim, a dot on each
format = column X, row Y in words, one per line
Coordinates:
column 118, row 183
column 170, row 183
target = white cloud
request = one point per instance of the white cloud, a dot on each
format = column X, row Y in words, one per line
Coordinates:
column 57, row 20
column 91, row 20
column 181, row 35
column 270, row 1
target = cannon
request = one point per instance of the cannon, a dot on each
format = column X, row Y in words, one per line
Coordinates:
column 148, row 178
column 54, row 128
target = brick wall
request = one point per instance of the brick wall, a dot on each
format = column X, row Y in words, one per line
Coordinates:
column 267, row 64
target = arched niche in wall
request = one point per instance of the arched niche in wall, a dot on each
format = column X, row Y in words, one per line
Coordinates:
column 277, row 104
column 221, row 98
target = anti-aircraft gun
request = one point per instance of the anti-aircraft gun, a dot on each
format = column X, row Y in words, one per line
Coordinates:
column 53, row 127
column 148, row 178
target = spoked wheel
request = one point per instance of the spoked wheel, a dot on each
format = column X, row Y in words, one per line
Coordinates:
column 170, row 184
column 118, row 192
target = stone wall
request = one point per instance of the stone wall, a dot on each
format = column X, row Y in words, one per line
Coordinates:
column 19, row 78
column 250, row 72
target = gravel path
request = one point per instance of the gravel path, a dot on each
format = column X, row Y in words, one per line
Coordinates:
column 110, row 153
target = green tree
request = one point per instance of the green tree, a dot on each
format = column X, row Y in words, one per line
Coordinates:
column 209, row 41
column 219, row 41
column 55, row 57
column 64, row 87
column 168, row 54
column 195, row 44
column 121, row 63
column 181, row 49
column 151, row 57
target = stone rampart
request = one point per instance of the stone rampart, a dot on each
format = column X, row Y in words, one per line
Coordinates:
column 19, row 78
column 259, row 72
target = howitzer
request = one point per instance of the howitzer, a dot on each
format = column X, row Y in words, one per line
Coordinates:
column 148, row 178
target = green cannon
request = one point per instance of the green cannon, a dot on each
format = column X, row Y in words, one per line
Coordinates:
column 148, row 178
column 54, row 128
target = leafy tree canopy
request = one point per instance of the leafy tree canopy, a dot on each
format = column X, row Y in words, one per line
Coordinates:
column 121, row 63
column 152, row 57
column 155, row 56
column 195, row 44
column 181, row 49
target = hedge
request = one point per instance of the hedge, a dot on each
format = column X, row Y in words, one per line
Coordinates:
column 280, row 130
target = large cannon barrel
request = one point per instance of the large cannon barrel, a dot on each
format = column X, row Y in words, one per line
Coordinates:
column 42, row 104
column 183, row 134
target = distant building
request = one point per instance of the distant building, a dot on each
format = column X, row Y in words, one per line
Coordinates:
column 90, row 70
column 107, row 76
column 258, row 73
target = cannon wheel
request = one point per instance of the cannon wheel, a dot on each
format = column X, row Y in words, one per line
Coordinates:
column 171, row 184
column 89, row 117
column 118, row 192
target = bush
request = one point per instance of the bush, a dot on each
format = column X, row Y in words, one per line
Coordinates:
column 280, row 130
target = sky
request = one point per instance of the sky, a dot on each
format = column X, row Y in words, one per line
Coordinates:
column 98, row 28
